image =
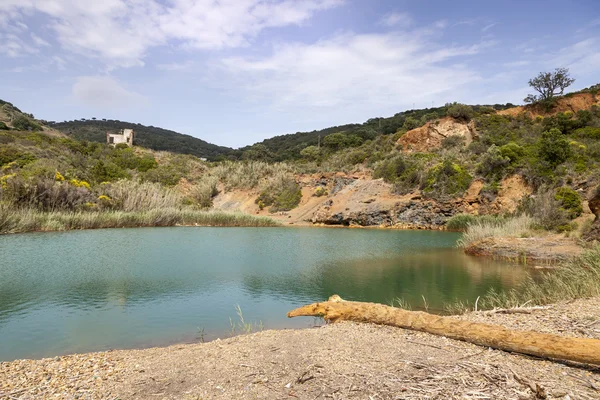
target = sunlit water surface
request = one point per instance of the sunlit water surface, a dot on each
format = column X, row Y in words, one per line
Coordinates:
column 123, row 288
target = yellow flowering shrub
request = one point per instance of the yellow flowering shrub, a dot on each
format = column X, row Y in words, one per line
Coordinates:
column 4, row 180
column 78, row 183
column 59, row 177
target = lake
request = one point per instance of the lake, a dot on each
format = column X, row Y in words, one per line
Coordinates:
column 93, row 290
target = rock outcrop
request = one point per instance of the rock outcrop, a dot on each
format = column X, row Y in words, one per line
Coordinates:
column 430, row 135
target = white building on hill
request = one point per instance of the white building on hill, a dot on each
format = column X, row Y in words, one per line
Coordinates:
column 124, row 136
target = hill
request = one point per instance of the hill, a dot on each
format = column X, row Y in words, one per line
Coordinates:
column 289, row 147
column 149, row 137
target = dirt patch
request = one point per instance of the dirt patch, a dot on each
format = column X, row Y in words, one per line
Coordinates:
column 536, row 250
column 512, row 190
column 340, row 361
column 430, row 135
column 572, row 103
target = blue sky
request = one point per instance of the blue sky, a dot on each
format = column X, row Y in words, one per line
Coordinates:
column 234, row 72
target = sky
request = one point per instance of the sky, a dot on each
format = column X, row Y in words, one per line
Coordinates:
column 234, row 72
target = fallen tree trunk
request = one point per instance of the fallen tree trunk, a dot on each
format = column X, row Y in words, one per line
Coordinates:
column 494, row 336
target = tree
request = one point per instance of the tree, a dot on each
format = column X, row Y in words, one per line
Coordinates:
column 549, row 84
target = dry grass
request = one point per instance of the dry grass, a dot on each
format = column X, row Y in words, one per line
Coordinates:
column 510, row 227
column 576, row 279
column 129, row 195
column 248, row 174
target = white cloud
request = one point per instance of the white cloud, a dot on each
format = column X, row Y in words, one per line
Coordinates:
column 353, row 71
column 120, row 32
column 488, row 27
column 397, row 19
column 582, row 57
column 105, row 92
column 517, row 64
column 39, row 41
column 12, row 46
column 182, row 66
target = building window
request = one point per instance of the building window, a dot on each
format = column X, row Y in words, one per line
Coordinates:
column 111, row 140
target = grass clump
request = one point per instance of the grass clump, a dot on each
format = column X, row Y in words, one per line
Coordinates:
column 31, row 220
column 500, row 227
column 577, row 278
column 281, row 194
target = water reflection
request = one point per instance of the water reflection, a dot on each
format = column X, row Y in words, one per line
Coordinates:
column 83, row 291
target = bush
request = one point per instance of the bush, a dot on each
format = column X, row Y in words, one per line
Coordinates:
column 447, row 179
column 545, row 209
column 391, row 169
column 282, row 194
column 493, row 164
column 44, row 194
column 460, row 222
column 10, row 154
column 588, row 132
column 460, row 111
column 453, row 141
column 204, row 192
column 23, row 123
column 108, row 172
column 554, row 148
column 513, row 152
column 3, row 126
column 320, row 191
column 570, row 201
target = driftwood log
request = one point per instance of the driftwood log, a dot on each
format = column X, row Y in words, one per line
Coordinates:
column 494, row 336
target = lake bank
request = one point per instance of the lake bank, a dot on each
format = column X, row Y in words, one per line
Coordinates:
column 344, row 360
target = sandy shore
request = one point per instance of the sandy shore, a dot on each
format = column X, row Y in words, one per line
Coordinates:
column 341, row 361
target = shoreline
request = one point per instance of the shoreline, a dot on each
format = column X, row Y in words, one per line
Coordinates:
column 344, row 360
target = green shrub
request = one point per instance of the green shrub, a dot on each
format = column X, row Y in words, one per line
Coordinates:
column 11, row 154
column 460, row 111
column 410, row 123
column 3, row 126
column 23, row 123
column 513, row 152
column 460, row 222
column 391, row 169
column 320, row 191
column 453, row 141
column 108, row 172
column 570, row 201
column 447, row 179
column 588, row 132
column 282, row 194
column 164, row 174
column 493, row 163
column 554, row 148
column 546, row 210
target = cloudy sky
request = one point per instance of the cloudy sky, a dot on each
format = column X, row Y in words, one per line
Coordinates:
column 234, row 72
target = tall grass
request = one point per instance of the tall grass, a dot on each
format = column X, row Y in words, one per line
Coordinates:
column 461, row 222
column 577, row 278
column 248, row 174
column 131, row 195
column 509, row 227
column 29, row 220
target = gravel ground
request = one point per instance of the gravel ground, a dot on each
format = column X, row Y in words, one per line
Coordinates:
column 341, row 361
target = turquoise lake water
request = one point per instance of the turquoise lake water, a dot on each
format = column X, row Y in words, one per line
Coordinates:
column 124, row 288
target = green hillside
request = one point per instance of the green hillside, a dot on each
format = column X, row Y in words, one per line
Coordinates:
column 145, row 136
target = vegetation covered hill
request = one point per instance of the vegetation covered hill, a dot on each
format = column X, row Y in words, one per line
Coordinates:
column 555, row 154
column 289, row 147
column 150, row 137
